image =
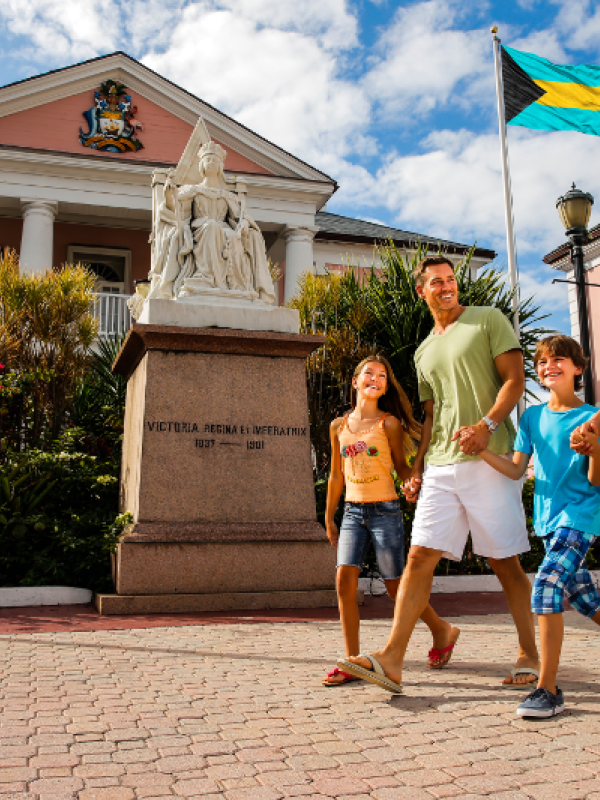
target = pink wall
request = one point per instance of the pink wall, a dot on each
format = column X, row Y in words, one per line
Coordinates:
column 55, row 126
column 360, row 273
column 593, row 301
column 66, row 234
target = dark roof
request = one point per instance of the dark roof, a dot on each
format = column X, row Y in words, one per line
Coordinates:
column 564, row 249
column 345, row 229
column 162, row 77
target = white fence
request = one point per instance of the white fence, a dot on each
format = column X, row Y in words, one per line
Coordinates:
column 112, row 313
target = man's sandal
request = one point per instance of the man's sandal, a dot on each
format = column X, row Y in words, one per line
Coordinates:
column 346, row 678
column 522, row 671
column 375, row 675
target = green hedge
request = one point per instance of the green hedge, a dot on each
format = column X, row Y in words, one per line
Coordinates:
column 58, row 519
column 59, row 498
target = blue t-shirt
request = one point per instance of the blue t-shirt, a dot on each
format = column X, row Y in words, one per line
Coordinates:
column 564, row 498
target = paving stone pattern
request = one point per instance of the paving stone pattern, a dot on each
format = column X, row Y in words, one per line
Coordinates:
column 238, row 712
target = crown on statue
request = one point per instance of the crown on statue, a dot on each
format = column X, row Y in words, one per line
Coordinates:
column 212, row 148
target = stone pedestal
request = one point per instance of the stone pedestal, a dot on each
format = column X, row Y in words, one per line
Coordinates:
column 217, row 475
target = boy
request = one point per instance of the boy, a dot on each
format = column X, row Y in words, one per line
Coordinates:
column 566, row 506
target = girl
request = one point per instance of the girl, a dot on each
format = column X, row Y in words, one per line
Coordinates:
column 366, row 446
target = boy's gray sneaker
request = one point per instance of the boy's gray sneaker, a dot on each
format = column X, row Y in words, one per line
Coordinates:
column 542, row 703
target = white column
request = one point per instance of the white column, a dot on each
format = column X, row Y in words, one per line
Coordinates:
column 38, row 235
column 298, row 257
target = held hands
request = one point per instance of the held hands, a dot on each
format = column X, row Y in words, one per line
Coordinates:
column 412, row 487
column 473, row 438
column 584, row 439
column 333, row 533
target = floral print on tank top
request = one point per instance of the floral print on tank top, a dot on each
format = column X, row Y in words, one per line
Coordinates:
column 353, row 451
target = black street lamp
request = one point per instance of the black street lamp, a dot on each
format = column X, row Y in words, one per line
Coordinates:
column 574, row 209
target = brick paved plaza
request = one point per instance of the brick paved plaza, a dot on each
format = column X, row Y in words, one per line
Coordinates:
column 237, row 711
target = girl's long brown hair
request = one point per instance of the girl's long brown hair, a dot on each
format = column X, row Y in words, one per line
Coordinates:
column 394, row 401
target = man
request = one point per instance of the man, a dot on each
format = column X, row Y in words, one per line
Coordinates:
column 470, row 371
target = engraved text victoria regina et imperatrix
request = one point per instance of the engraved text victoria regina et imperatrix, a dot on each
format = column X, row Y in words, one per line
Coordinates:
column 203, row 430
column 165, row 426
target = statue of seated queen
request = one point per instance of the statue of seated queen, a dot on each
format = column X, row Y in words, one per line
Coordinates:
column 204, row 243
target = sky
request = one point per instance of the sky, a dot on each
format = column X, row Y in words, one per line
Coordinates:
column 395, row 100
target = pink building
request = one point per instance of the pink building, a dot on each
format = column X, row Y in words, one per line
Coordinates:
column 65, row 198
column 560, row 259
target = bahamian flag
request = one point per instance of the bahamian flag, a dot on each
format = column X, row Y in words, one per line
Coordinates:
column 550, row 97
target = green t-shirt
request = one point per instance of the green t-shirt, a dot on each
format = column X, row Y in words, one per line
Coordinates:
column 456, row 370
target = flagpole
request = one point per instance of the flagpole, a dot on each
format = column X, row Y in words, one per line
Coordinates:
column 508, row 209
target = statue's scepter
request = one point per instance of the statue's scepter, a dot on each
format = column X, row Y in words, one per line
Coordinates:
column 241, row 187
column 177, row 209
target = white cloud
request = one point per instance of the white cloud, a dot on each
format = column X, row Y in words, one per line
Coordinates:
column 73, row 29
column 329, row 21
column 538, row 284
column 279, row 82
column 69, row 29
column 545, row 43
column 578, row 22
column 142, row 22
column 425, row 56
column 454, row 188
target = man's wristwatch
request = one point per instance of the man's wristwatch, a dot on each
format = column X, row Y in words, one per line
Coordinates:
column 490, row 424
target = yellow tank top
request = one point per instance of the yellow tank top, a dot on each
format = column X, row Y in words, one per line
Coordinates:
column 367, row 464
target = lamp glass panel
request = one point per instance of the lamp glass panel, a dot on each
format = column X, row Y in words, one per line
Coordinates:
column 561, row 213
column 575, row 212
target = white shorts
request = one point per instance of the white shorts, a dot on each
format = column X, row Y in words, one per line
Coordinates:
column 470, row 497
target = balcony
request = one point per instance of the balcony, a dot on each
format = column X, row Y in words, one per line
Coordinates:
column 112, row 313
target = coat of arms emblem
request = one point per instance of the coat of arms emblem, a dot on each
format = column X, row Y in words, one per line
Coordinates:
column 112, row 124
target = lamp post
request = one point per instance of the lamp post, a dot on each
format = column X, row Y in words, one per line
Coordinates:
column 574, row 209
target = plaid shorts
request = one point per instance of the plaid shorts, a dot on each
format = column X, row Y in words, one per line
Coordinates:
column 564, row 572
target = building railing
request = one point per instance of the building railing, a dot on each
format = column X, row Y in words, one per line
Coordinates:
column 112, row 313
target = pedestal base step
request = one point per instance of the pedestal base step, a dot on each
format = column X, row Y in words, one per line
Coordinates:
column 234, row 601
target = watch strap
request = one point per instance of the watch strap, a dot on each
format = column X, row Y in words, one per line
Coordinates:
column 490, row 424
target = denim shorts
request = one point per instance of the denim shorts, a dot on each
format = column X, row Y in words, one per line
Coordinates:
column 380, row 523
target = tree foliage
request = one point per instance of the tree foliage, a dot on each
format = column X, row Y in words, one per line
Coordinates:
column 46, row 330
column 98, row 407
column 61, row 428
